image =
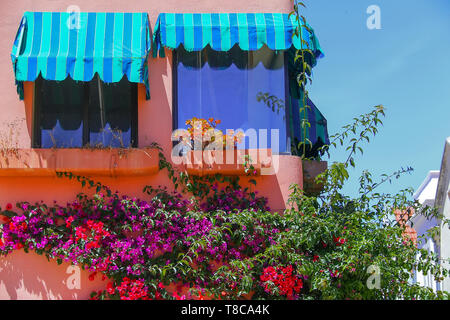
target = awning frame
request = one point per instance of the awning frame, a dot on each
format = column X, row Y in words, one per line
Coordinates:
column 221, row 31
column 111, row 44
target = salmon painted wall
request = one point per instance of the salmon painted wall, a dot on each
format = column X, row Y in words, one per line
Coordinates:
column 29, row 276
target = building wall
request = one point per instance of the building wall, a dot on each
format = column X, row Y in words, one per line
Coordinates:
column 443, row 205
column 155, row 115
column 30, row 276
column 435, row 192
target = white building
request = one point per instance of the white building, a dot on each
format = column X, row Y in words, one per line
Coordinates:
column 426, row 195
column 442, row 202
column 435, row 192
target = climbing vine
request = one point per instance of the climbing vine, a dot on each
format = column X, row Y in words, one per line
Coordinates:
column 212, row 238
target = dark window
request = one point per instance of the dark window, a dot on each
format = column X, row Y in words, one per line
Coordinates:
column 72, row 114
column 226, row 86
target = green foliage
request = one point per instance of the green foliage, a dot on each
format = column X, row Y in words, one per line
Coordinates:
column 328, row 246
column 304, row 75
column 333, row 240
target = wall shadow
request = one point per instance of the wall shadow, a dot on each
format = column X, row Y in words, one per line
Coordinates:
column 25, row 276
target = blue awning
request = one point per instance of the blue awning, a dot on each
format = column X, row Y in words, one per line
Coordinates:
column 58, row 45
column 222, row 31
column 316, row 134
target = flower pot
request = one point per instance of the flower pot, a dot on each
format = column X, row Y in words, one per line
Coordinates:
column 311, row 169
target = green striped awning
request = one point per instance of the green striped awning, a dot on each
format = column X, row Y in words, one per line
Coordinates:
column 58, row 45
column 223, row 30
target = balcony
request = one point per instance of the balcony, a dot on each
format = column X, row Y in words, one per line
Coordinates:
column 84, row 161
column 226, row 162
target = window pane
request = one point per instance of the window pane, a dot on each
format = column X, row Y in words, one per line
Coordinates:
column 110, row 116
column 225, row 86
column 61, row 115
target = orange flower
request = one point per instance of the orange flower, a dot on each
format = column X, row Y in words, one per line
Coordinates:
column 198, row 127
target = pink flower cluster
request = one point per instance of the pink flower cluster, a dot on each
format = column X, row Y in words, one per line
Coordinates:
column 121, row 236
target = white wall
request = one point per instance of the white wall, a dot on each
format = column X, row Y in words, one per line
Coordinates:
column 443, row 204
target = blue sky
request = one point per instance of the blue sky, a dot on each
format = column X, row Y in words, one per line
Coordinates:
column 405, row 66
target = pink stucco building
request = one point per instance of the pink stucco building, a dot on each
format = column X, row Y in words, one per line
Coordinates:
column 28, row 165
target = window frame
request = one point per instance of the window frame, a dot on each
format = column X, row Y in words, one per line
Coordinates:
column 286, row 99
column 37, row 107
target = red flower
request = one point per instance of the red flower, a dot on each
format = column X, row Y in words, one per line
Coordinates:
column 69, row 221
column 283, row 277
column 9, row 206
column 177, row 297
column 339, row 241
column 110, row 288
column 200, row 296
column 4, row 219
column 315, row 258
column 92, row 276
column 132, row 290
column 80, row 233
column 92, row 244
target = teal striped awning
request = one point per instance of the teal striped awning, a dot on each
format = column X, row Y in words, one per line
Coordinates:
column 58, row 45
column 223, row 30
